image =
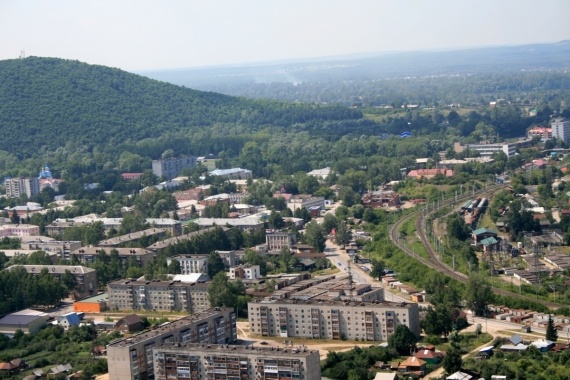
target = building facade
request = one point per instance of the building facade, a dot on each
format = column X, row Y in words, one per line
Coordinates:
column 158, row 295
column 561, row 129
column 127, row 256
column 218, row 362
column 133, row 358
column 19, row 230
column 245, row 272
column 191, row 263
column 172, row 167
column 85, row 278
column 233, row 173
column 276, row 240
column 318, row 319
column 18, row 186
column 63, row 249
column 305, row 201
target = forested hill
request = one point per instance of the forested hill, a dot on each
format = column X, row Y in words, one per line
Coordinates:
column 46, row 103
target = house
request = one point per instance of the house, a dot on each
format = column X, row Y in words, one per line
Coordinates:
column 430, row 173
column 543, row 345
column 459, row 376
column 413, row 364
column 430, row 356
column 28, row 322
column 129, row 323
column 131, row 176
column 57, row 371
column 385, row 376
column 482, row 233
column 246, row 272
column 68, row 320
column 7, row 368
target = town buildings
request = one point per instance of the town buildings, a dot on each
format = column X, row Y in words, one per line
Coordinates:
column 18, row 186
column 305, row 201
column 327, row 307
column 245, row 272
column 62, row 249
column 276, row 240
column 172, row 167
column 561, row 129
column 233, row 173
column 128, row 256
column 174, row 227
column 133, row 358
column 172, row 295
column 544, row 133
column 247, row 224
column 489, row 149
column 218, row 362
column 191, row 263
column 19, row 230
column 85, row 278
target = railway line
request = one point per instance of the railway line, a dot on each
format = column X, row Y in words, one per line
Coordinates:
column 434, row 261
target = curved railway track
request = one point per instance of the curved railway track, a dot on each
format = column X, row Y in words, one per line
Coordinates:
column 434, row 262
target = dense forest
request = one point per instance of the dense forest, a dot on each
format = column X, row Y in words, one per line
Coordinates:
column 48, row 103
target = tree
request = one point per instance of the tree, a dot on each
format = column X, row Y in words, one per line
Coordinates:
column 329, row 222
column 343, row 234
column 286, row 260
column 478, row 293
column 255, row 258
column 174, row 267
column 133, row 223
column 403, row 340
column 377, row 270
column 551, row 333
column 223, row 292
column 315, row 236
column 438, row 321
column 276, row 220
column 215, row 264
column 452, row 361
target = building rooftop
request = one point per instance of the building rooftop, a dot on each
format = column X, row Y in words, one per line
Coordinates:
column 103, row 297
column 226, row 349
column 56, row 269
column 158, row 283
column 132, row 236
column 176, row 239
column 108, row 250
column 358, row 304
column 168, row 327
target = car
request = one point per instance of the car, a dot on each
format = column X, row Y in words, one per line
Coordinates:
column 339, row 264
column 264, row 343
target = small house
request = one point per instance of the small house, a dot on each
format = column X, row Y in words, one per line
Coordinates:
column 129, row 323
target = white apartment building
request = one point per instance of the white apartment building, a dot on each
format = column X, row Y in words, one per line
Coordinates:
column 191, row 263
column 276, row 240
column 561, row 129
column 245, row 272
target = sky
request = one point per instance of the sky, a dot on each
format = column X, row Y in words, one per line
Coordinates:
column 141, row 35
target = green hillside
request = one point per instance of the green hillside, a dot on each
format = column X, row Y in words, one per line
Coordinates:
column 46, row 103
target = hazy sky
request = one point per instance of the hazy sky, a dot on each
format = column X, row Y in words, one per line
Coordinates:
column 143, row 35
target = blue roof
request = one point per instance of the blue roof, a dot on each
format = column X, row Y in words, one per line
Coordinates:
column 20, row 320
column 72, row 318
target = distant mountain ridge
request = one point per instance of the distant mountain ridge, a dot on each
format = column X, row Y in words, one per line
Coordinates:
column 50, row 103
column 370, row 67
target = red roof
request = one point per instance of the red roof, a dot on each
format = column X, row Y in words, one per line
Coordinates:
column 7, row 366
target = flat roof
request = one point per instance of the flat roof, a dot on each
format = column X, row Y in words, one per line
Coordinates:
column 318, row 302
column 97, row 298
column 168, row 327
column 227, row 349
column 132, row 236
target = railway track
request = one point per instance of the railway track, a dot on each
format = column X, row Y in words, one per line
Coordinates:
column 434, row 261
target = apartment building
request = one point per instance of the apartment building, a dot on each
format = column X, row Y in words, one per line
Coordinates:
column 133, row 358
column 173, row 227
column 191, row 297
column 223, row 362
column 245, row 272
column 488, row 149
column 305, row 201
column 321, row 319
column 172, row 167
column 561, row 129
column 127, row 256
column 18, row 186
column 247, row 224
column 276, row 240
column 63, row 249
column 85, row 278
column 233, row 173
column 191, row 263
column 127, row 239
column 327, row 307
column 19, row 230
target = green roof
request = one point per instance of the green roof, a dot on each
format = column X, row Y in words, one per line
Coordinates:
column 488, row 241
column 97, row 298
column 480, row 231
